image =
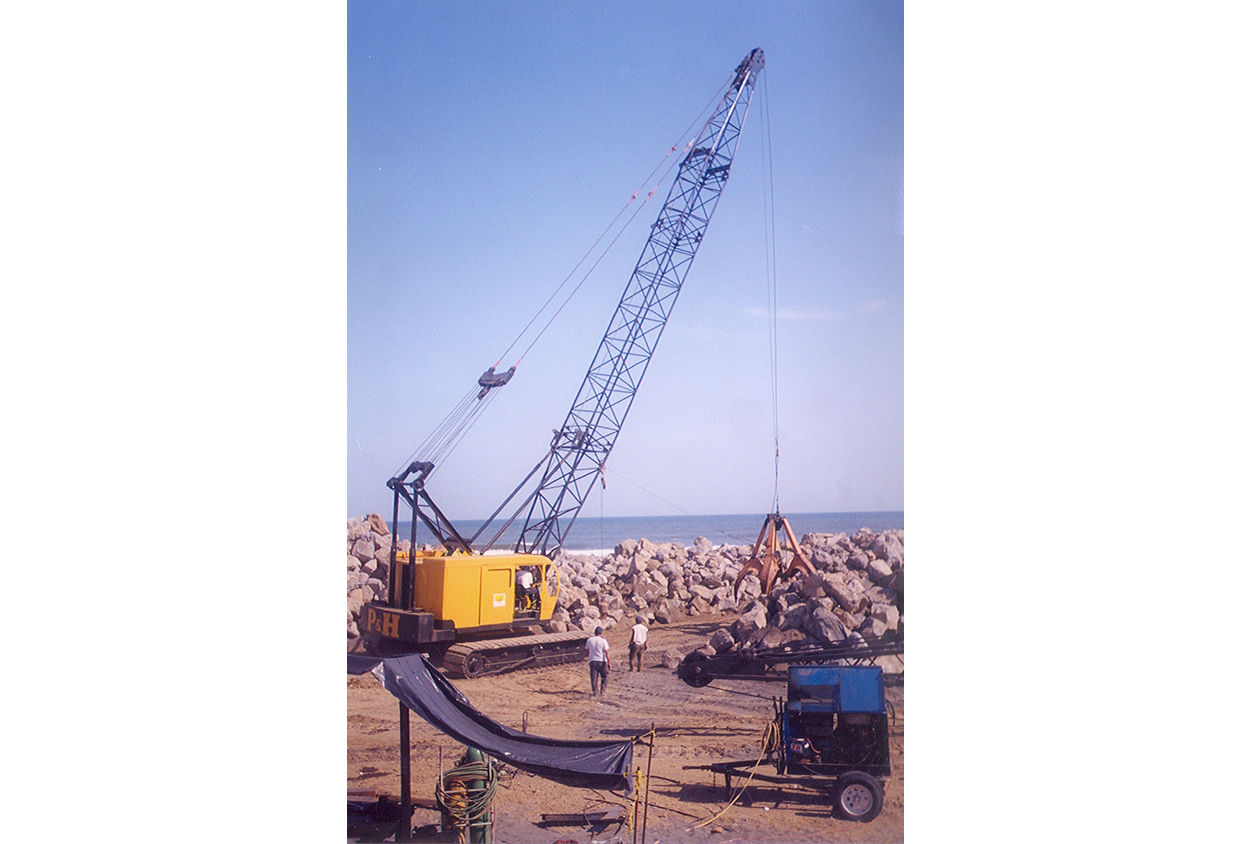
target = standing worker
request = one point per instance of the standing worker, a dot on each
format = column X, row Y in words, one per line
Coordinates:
column 636, row 644
column 599, row 659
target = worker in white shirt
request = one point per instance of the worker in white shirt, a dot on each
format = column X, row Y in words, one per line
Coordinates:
column 636, row 645
column 526, row 591
column 599, row 659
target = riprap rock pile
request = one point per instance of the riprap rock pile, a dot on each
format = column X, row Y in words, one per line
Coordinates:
column 855, row 592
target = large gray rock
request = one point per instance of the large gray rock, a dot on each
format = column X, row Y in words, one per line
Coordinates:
column 793, row 618
column 822, row 559
column 824, row 626
column 671, row 569
column 648, row 590
column 767, row 637
column 701, row 590
column 363, row 548
column 874, row 627
column 721, row 640
column 845, row 593
column 886, row 613
column 849, row 620
column 813, row 586
column 890, row 664
column 358, row 528
column 750, row 588
column 755, row 617
column 824, row 602
column 789, row 637
column 637, row 566
column 881, row 573
column 887, row 547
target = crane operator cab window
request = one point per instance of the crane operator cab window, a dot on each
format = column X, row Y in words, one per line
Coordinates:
column 551, row 581
column 527, row 596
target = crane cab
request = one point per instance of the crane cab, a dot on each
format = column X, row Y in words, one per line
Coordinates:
column 466, row 594
column 477, row 590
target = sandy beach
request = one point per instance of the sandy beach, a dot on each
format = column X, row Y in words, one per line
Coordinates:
column 693, row 727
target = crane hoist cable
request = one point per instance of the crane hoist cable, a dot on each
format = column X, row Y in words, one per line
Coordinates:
column 452, row 428
column 689, row 132
column 769, row 236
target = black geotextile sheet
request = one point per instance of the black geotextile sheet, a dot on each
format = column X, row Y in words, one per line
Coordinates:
column 425, row 691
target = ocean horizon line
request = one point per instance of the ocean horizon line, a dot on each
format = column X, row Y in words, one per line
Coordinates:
column 602, row 534
column 786, row 513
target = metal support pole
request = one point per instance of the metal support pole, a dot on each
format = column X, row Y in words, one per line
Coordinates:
column 403, row 831
column 648, row 764
column 394, row 585
column 479, row 826
column 414, row 561
column 636, row 806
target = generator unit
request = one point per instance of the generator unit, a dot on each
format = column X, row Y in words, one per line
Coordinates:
column 833, row 723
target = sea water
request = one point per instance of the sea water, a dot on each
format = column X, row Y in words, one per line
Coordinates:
column 593, row 534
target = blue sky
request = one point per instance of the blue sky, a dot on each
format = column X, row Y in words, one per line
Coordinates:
column 490, row 144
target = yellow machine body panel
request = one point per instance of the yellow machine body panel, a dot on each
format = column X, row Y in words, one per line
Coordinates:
column 475, row 590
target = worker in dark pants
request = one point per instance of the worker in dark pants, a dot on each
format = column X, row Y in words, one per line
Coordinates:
column 599, row 660
column 636, row 643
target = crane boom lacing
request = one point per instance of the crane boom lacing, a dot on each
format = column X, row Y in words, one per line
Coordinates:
column 579, row 449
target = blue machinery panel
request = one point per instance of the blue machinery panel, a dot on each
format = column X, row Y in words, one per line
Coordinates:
column 836, row 688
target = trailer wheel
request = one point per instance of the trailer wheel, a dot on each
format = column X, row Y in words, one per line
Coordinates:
column 690, row 669
column 858, row 797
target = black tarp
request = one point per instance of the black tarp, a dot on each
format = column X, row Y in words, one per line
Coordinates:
column 425, row 691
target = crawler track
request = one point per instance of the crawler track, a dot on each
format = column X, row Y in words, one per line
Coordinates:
column 495, row 656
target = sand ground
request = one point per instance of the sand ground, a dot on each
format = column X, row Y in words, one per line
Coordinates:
column 693, row 727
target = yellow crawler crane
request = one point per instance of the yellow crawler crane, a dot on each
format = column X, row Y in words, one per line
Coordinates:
column 466, row 605
column 470, row 609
